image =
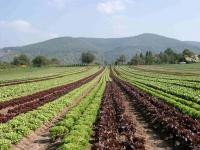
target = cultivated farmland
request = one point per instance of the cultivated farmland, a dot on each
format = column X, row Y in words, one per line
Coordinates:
column 96, row 107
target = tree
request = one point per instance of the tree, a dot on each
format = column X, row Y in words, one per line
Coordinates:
column 40, row 61
column 21, row 60
column 170, row 56
column 4, row 65
column 187, row 52
column 166, row 57
column 142, row 59
column 54, row 61
column 120, row 60
column 135, row 60
column 149, row 59
column 180, row 58
column 87, row 57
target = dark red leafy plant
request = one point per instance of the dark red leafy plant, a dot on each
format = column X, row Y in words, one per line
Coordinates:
column 27, row 103
column 180, row 127
column 114, row 129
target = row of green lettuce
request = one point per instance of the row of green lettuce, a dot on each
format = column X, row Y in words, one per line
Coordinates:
column 184, row 78
column 167, row 74
column 22, row 125
column 182, row 81
column 185, row 93
column 24, row 74
column 10, row 92
column 75, row 128
column 188, row 107
column 42, row 78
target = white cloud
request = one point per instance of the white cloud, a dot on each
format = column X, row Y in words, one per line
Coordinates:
column 23, row 26
column 112, row 6
column 21, row 32
column 17, row 25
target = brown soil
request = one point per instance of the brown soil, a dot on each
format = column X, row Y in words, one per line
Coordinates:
column 152, row 140
column 40, row 138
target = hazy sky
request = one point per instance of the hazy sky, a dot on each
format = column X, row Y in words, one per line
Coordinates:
column 28, row 21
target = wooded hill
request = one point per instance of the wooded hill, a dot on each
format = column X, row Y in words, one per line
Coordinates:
column 69, row 49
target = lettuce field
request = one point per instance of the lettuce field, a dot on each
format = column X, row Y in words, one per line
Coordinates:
column 100, row 108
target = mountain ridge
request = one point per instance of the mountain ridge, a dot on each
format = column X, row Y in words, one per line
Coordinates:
column 68, row 49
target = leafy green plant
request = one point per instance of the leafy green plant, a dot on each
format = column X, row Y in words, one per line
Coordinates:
column 58, row 131
column 82, row 116
column 21, row 125
column 5, row 144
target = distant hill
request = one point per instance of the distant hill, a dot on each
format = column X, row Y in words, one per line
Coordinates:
column 197, row 44
column 69, row 49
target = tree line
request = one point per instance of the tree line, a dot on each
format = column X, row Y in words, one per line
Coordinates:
column 166, row 57
column 24, row 60
column 40, row 61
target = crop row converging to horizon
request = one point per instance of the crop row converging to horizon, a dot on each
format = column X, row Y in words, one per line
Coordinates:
column 92, row 107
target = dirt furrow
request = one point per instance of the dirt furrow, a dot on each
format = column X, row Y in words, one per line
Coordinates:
column 40, row 138
column 152, row 140
column 178, row 129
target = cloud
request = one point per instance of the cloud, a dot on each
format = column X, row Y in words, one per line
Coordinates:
column 112, row 6
column 21, row 32
column 23, row 26
column 17, row 25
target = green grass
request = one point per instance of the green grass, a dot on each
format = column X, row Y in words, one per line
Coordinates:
column 31, row 72
column 179, row 68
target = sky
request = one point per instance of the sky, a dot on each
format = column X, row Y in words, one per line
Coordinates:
column 28, row 21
